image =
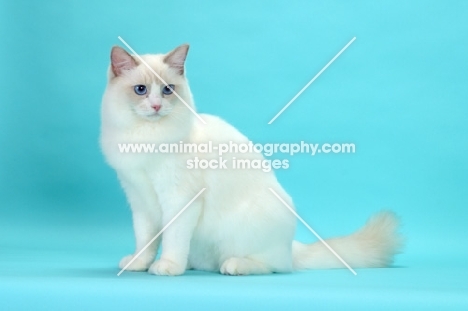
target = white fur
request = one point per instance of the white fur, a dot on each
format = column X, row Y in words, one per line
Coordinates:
column 237, row 226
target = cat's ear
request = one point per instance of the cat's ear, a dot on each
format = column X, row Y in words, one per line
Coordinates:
column 121, row 60
column 176, row 58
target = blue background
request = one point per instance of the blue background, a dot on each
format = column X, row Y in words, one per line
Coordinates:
column 399, row 93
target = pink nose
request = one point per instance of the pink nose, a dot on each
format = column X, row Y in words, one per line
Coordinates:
column 156, row 107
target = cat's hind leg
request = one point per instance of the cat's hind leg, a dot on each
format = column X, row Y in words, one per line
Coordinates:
column 276, row 259
column 244, row 266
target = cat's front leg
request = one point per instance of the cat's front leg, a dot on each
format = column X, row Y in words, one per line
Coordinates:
column 145, row 228
column 176, row 238
column 146, row 216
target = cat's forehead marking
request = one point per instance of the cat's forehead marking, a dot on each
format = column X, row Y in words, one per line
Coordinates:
column 157, row 65
column 147, row 76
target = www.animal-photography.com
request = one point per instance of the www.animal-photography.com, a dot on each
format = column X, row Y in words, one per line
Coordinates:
column 233, row 155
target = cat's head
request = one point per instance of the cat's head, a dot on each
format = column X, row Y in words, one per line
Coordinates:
column 136, row 92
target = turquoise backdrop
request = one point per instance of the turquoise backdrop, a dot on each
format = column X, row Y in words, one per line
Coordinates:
column 399, row 92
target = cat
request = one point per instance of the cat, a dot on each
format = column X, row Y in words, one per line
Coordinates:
column 236, row 226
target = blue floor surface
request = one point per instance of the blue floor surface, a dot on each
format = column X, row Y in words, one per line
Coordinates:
column 80, row 273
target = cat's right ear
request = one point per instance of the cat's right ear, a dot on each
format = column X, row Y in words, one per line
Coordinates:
column 121, row 60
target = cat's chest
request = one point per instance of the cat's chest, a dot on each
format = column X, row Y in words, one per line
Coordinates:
column 125, row 150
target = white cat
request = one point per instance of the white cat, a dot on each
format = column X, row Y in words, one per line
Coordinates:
column 237, row 226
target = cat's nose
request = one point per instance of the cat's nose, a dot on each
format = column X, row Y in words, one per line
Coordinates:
column 156, row 107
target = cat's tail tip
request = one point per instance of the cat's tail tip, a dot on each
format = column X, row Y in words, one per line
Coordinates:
column 374, row 245
column 382, row 237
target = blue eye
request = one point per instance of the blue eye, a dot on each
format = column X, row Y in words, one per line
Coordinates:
column 140, row 89
column 168, row 89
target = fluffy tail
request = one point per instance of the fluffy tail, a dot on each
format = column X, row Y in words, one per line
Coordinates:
column 372, row 246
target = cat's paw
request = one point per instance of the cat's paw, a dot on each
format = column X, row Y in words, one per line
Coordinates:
column 139, row 264
column 232, row 266
column 166, row 267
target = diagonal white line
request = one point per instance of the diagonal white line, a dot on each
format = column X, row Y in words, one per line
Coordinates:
column 310, row 82
column 313, row 231
column 162, row 80
column 160, row 232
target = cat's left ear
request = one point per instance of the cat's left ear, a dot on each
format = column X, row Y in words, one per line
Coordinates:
column 176, row 58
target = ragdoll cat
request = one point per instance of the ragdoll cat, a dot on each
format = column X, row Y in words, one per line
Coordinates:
column 236, row 226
